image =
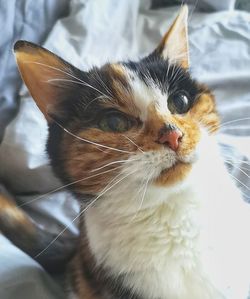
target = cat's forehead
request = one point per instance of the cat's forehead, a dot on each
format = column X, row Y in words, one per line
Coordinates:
column 144, row 86
column 143, row 92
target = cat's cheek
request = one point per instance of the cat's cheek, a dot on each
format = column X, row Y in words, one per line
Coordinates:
column 89, row 169
column 205, row 113
column 190, row 141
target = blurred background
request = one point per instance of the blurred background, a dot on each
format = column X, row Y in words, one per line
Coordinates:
column 92, row 32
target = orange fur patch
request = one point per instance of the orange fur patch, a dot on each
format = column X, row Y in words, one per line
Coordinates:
column 204, row 111
column 37, row 66
column 12, row 214
column 173, row 175
column 83, row 159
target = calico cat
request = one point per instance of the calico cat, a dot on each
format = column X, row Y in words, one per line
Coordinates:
column 160, row 217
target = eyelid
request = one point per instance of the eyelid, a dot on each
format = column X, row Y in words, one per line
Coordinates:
column 113, row 111
column 133, row 120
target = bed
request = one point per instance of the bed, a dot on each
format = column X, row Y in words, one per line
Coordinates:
column 90, row 33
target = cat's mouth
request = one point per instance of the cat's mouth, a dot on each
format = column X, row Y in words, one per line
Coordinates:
column 174, row 174
column 178, row 171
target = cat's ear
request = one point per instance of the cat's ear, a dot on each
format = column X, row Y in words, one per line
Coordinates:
column 174, row 45
column 42, row 71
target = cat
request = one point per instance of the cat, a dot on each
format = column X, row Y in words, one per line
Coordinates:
column 136, row 142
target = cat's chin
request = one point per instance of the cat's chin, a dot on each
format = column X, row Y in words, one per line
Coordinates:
column 178, row 172
column 173, row 175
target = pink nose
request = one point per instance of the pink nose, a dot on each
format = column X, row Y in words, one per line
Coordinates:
column 170, row 137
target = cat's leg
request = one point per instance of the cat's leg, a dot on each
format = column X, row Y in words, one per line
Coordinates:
column 23, row 232
column 14, row 223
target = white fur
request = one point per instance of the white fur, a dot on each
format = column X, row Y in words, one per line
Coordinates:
column 145, row 95
column 190, row 241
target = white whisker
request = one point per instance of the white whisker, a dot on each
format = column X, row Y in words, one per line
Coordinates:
column 92, row 101
column 68, row 74
column 133, row 143
column 234, row 121
column 99, row 79
column 237, row 161
column 67, row 185
column 227, row 128
column 193, row 10
column 83, row 211
column 114, row 162
column 239, row 168
column 142, row 199
column 244, row 185
column 91, row 142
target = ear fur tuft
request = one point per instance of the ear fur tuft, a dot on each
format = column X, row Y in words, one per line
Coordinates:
column 174, row 45
column 41, row 70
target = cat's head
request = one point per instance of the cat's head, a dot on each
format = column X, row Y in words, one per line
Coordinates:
column 141, row 120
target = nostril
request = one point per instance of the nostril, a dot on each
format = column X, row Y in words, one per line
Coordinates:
column 180, row 137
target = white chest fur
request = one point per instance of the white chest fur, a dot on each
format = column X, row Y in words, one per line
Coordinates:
column 191, row 245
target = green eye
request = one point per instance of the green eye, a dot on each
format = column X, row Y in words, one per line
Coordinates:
column 114, row 123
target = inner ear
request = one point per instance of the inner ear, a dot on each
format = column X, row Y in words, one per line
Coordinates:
column 45, row 74
column 174, row 45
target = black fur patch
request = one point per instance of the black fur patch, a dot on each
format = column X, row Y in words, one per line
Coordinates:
column 168, row 77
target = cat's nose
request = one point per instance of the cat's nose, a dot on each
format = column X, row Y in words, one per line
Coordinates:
column 170, row 135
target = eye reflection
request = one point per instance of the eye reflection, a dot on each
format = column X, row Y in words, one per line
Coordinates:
column 178, row 103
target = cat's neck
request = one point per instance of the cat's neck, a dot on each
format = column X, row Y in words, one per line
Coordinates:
column 144, row 247
column 148, row 244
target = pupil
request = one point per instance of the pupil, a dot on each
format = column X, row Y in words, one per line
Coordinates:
column 114, row 122
column 178, row 103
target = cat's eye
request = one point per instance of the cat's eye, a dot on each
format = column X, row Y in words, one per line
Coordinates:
column 178, row 103
column 115, row 122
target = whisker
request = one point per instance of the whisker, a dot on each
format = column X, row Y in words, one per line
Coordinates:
column 243, row 194
column 68, row 74
column 91, row 142
column 114, row 162
column 234, row 128
column 244, row 185
column 233, row 121
column 92, row 101
column 237, row 161
column 67, row 185
column 245, row 168
column 193, row 10
column 142, row 200
column 237, row 164
column 83, row 83
column 83, row 211
column 133, row 143
column 99, row 79
column 239, row 169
